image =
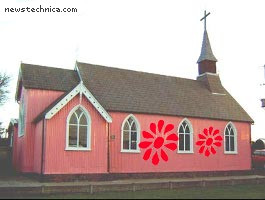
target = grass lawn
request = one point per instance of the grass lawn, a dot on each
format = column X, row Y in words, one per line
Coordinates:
column 221, row 192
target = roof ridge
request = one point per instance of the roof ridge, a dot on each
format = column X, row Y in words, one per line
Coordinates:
column 130, row 70
column 36, row 65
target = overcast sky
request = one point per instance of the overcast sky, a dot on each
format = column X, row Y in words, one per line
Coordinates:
column 154, row 36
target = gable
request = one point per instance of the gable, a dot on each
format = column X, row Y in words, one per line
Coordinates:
column 65, row 98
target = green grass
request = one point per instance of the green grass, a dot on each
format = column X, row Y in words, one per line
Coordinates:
column 221, row 192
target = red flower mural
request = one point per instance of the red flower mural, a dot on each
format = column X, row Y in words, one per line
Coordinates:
column 157, row 140
column 208, row 141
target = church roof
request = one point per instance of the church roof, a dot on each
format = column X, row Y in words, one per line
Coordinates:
column 140, row 92
column 48, row 78
column 206, row 50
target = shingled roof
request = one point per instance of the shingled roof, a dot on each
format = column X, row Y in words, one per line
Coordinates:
column 48, row 78
column 139, row 92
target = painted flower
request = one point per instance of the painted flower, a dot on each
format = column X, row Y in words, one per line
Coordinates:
column 157, row 140
column 209, row 140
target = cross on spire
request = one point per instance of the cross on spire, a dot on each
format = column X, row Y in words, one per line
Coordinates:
column 204, row 18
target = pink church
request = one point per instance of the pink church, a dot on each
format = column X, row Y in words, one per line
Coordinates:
column 97, row 120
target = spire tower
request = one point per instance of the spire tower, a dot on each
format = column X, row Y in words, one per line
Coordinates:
column 206, row 61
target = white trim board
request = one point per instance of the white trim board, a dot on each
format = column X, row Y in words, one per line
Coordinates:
column 80, row 88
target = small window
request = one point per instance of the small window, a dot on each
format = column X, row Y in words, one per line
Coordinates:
column 78, row 129
column 22, row 116
column 230, row 139
column 130, row 135
column 185, row 137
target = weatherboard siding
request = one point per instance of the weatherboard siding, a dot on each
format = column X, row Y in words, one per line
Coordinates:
column 61, row 161
column 36, row 101
column 134, row 163
column 57, row 160
column 38, row 147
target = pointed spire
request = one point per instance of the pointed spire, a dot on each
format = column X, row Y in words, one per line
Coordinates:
column 206, row 61
column 206, row 50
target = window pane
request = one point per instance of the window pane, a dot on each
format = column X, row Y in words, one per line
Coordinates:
column 227, row 143
column 130, row 120
column 187, row 142
column 231, row 132
column 181, row 130
column 126, row 126
column 125, row 139
column 232, row 144
column 78, row 112
column 72, row 136
column 133, row 127
column 226, row 131
column 187, row 130
column 133, row 139
column 83, row 120
column 181, row 142
column 73, row 119
column 82, row 136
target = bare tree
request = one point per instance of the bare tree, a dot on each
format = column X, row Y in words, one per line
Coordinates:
column 4, row 83
column 2, row 130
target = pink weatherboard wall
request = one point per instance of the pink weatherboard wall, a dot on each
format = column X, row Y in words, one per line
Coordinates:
column 27, row 150
column 61, row 161
column 57, row 160
column 179, row 162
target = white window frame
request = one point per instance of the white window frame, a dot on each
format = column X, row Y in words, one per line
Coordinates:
column 137, row 150
column 22, row 118
column 86, row 113
column 191, row 137
column 235, row 139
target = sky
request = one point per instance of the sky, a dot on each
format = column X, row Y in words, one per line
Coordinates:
column 157, row 36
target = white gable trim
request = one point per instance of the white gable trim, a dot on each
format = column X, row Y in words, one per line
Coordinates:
column 80, row 88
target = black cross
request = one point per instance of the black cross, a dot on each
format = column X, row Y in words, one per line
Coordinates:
column 204, row 18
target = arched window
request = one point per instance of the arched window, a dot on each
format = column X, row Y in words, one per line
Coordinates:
column 230, row 139
column 78, row 135
column 185, row 132
column 130, row 136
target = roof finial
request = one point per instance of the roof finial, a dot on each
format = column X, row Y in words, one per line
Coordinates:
column 204, row 18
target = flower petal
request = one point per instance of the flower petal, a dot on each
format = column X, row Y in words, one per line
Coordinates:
column 168, row 128
column 218, row 144
column 145, row 144
column 201, row 149
column 155, row 159
column 171, row 146
column 202, row 136
column 200, row 142
column 147, row 135
column 173, row 137
column 207, row 152
column 164, row 155
column 153, row 127
column 160, row 125
column 205, row 131
column 147, row 154
column 210, row 130
column 216, row 132
column 213, row 150
column 218, row 138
